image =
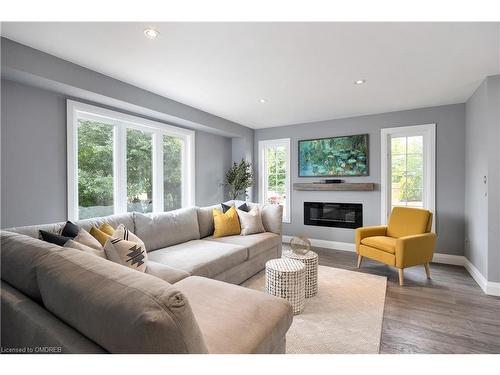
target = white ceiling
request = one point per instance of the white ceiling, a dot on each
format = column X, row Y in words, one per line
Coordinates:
column 305, row 71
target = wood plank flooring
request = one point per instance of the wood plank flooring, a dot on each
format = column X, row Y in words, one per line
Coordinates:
column 447, row 314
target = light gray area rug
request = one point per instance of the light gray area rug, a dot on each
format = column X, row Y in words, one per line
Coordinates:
column 344, row 317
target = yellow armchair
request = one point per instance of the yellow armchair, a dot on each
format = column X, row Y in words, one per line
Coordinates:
column 405, row 242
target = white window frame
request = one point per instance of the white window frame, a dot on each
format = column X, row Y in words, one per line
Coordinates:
column 121, row 122
column 428, row 131
column 284, row 142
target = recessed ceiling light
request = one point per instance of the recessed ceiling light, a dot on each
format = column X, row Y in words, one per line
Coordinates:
column 263, row 100
column 151, row 33
column 359, row 81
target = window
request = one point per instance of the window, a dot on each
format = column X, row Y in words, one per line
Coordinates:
column 120, row 163
column 274, row 174
column 408, row 165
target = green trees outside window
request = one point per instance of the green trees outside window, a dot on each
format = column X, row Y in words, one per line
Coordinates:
column 172, row 173
column 276, row 174
column 407, row 171
column 139, row 171
column 95, row 170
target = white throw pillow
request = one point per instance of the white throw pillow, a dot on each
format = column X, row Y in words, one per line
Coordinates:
column 126, row 253
column 122, row 251
column 79, row 246
column 124, row 234
column 87, row 239
column 250, row 222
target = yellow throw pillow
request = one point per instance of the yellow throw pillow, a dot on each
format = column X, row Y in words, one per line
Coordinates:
column 99, row 235
column 226, row 224
column 106, row 228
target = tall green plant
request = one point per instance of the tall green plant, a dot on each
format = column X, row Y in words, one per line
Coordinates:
column 238, row 178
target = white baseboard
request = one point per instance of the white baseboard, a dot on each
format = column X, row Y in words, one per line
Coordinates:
column 335, row 245
column 489, row 287
column 456, row 260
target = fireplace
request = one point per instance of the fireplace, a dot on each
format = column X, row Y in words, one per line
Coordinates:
column 339, row 215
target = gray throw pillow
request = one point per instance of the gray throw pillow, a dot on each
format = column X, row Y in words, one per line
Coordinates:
column 79, row 246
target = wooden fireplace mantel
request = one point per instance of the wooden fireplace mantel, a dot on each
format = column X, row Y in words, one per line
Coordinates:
column 344, row 186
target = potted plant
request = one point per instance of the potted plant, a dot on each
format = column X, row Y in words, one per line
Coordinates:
column 238, row 179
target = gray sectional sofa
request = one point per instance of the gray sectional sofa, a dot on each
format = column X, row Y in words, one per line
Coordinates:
column 65, row 300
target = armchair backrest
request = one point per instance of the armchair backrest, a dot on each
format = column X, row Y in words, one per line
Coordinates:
column 407, row 221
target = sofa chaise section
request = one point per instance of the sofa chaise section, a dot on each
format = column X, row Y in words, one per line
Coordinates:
column 264, row 319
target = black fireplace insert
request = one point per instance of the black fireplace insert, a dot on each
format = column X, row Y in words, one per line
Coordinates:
column 340, row 215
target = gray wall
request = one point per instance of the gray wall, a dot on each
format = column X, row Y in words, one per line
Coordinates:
column 482, row 199
column 34, row 157
column 476, row 168
column 27, row 65
column 213, row 159
column 450, row 129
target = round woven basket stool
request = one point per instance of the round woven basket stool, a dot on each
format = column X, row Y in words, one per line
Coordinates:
column 310, row 260
column 286, row 278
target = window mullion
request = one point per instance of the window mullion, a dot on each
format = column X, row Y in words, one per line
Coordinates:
column 158, row 193
column 120, row 168
column 266, row 177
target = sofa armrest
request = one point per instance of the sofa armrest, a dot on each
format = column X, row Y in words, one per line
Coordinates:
column 166, row 273
column 272, row 218
column 416, row 249
column 364, row 232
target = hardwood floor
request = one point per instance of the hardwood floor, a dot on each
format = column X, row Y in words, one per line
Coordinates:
column 447, row 314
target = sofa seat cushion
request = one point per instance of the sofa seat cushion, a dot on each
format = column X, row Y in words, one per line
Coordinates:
column 255, row 243
column 166, row 273
column 201, row 257
column 387, row 244
column 247, row 321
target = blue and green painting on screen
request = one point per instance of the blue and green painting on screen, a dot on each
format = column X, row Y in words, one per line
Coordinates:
column 334, row 157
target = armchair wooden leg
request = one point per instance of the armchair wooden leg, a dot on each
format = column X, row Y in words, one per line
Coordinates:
column 401, row 276
column 360, row 258
column 427, row 270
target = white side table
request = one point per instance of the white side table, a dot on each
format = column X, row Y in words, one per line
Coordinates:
column 310, row 260
column 286, row 278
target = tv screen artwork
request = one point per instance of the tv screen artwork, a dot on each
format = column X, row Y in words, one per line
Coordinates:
column 334, row 157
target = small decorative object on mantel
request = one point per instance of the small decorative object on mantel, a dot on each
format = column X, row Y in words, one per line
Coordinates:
column 300, row 245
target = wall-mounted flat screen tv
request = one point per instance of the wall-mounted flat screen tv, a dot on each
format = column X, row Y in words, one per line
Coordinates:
column 334, row 157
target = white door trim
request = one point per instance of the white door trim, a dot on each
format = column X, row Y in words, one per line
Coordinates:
column 429, row 133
